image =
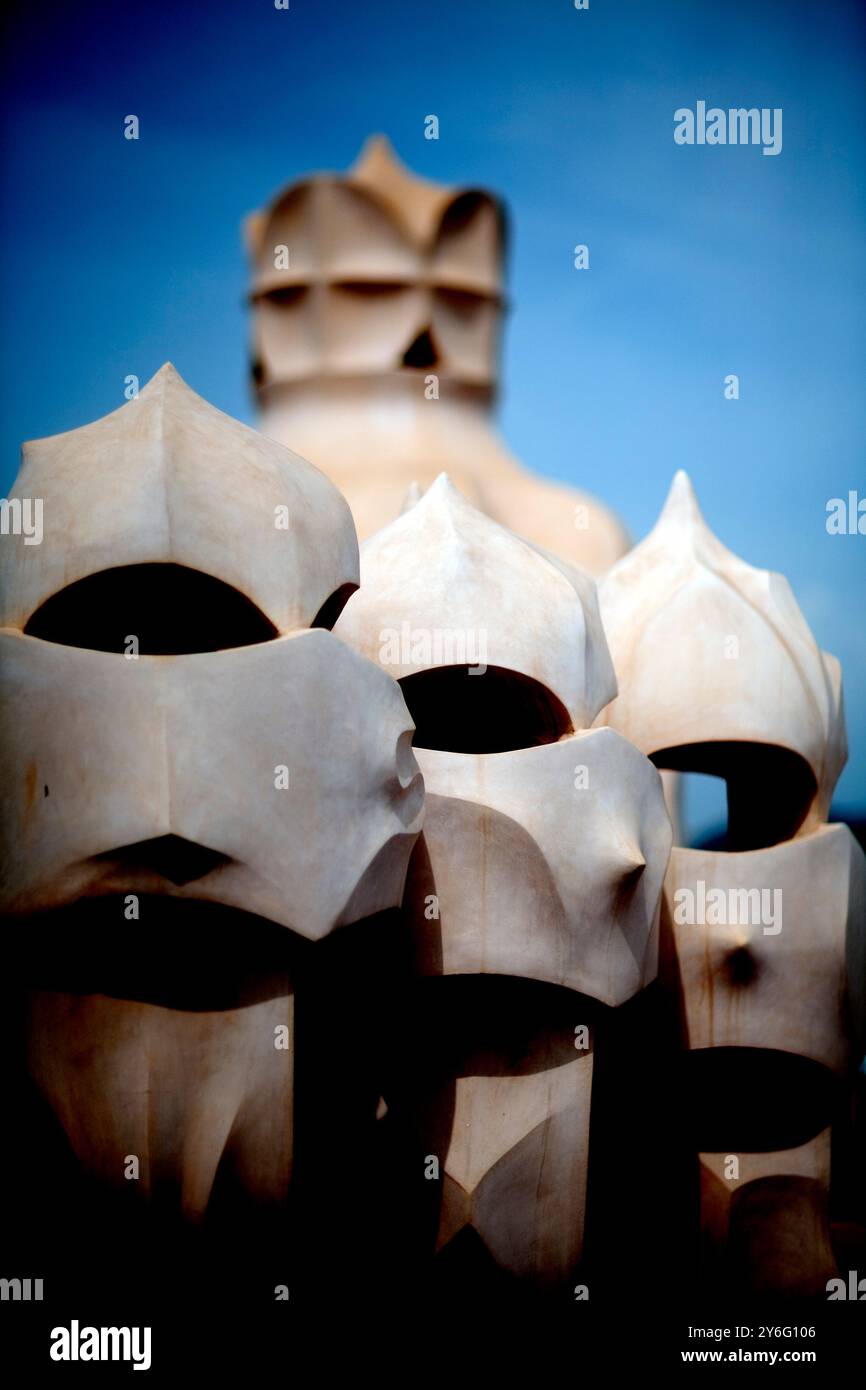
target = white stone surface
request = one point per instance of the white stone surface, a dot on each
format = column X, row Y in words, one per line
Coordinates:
column 444, row 567
column 538, row 878
column 807, row 988
column 707, row 648
column 188, row 746
column 373, row 260
column 168, row 478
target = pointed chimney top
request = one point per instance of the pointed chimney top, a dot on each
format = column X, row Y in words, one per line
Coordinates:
column 415, row 202
column 681, row 504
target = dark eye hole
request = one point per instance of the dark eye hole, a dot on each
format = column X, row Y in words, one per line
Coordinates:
column 169, row 608
column 286, row 295
column 370, row 287
column 490, row 712
column 755, row 1100
column 461, row 301
column 769, row 790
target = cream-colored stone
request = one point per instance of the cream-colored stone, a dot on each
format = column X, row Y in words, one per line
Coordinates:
column 809, row 1160
column 181, row 1091
column 107, row 754
column 543, row 863
column 797, row 983
column 168, row 478
column 376, row 337
column 709, row 650
column 769, row 1228
column 148, row 794
column 516, row 1168
column 536, row 876
column 445, row 585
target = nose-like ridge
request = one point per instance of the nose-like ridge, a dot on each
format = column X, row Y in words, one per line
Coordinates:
column 171, row 856
column 627, row 863
column 407, row 788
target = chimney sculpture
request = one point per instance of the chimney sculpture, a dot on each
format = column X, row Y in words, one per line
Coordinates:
column 764, row 943
column 240, row 969
column 202, row 783
column 377, row 302
column 533, row 893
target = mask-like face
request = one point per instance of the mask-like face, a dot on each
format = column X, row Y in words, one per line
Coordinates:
column 763, row 956
column 526, row 874
column 171, row 521
column 719, row 674
column 202, row 776
column 378, row 273
column 182, row 825
column 767, row 947
column 533, row 893
column 571, row 838
column 763, row 943
column 451, row 607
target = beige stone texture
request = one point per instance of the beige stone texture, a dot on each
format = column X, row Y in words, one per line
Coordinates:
column 106, row 754
column 709, row 650
column 393, row 291
column 797, row 984
column 167, row 478
column 538, row 875
column 443, row 570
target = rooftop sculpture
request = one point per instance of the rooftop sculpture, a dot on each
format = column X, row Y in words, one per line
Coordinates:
column 377, row 302
column 309, row 852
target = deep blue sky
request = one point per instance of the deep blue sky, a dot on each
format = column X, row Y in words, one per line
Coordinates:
column 704, row 261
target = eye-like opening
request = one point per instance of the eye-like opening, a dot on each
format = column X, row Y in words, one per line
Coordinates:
column 769, row 789
column 333, row 606
column 463, row 302
column 491, row 711
column 283, row 296
column 371, row 287
column 169, row 609
column 755, row 1100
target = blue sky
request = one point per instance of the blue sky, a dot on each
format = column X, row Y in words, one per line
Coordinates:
column 119, row 255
